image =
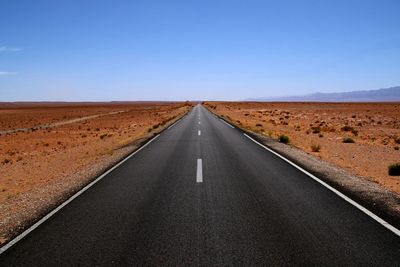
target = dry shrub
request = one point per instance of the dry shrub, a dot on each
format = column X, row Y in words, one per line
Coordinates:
column 348, row 140
column 394, row 169
column 315, row 148
column 316, row 129
column 284, row 139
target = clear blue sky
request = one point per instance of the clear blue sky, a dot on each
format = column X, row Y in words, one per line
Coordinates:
column 204, row 49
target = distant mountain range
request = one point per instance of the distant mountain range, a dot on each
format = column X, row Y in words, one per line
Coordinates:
column 391, row 94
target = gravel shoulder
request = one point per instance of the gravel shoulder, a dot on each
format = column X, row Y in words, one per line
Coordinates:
column 376, row 198
column 23, row 210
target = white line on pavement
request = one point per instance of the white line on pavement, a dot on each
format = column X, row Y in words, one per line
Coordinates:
column 50, row 214
column 343, row 196
column 199, row 132
column 174, row 123
column 199, row 173
column 227, row 123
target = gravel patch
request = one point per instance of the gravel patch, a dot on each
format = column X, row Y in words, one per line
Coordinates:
column 37, row 202
column 374, row 197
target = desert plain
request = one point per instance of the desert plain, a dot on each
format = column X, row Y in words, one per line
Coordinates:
column 50, row 150
column 362, row 138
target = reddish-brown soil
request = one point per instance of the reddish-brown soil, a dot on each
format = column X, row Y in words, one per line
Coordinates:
column 63, row 155
column 374, row 127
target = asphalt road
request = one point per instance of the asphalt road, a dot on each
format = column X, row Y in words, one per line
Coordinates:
column 242, row 206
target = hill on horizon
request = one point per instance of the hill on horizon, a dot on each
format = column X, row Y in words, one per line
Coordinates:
column 391, row 94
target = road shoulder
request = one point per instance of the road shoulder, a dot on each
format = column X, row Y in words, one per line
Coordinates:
column 38, row 202
column 374, row 197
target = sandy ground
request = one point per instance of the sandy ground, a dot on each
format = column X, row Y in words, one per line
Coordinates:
column 60, row 148
column 374, row 127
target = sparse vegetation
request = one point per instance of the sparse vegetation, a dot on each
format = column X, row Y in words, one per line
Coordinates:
column 316, row 129
column 284, row 139
column 315, row 148
column 348, row 140
column 30, row 150
column 347, row 128
column 394, row 169
column 365, row 136
column 350, row 129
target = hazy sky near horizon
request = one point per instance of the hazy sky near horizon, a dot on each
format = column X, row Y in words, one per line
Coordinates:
column 206, row 49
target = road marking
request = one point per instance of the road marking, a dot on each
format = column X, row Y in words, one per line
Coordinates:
column 227, row 123
column 199, row 173
column 199, row 122
column 344, row 197
column 199, row 132
column 174, row 123
column 45, row 218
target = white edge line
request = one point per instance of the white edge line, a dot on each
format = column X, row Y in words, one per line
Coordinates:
column 50, row 214
column 172, row 125
column 346, row 198
column 227, row 123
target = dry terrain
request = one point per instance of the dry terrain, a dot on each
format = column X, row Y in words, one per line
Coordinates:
column 321, row 128
column 48, row 151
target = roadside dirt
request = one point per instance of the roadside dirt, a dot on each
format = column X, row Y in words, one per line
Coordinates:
column 374, row 128
column 357, row 169
column 62, row 148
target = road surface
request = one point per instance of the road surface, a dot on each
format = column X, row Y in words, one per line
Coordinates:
column 203, row 194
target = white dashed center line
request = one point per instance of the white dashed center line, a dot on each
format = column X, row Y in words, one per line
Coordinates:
column 199, row 173
column 199, row 132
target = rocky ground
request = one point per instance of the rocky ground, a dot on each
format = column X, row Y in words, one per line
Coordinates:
column 49, row 152
column 371, row 130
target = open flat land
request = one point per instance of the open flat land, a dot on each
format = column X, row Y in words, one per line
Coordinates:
column 320, row 129
column 204, row 194
column 49, row 150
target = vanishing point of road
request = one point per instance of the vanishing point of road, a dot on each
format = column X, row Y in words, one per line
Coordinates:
column 203, row 194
